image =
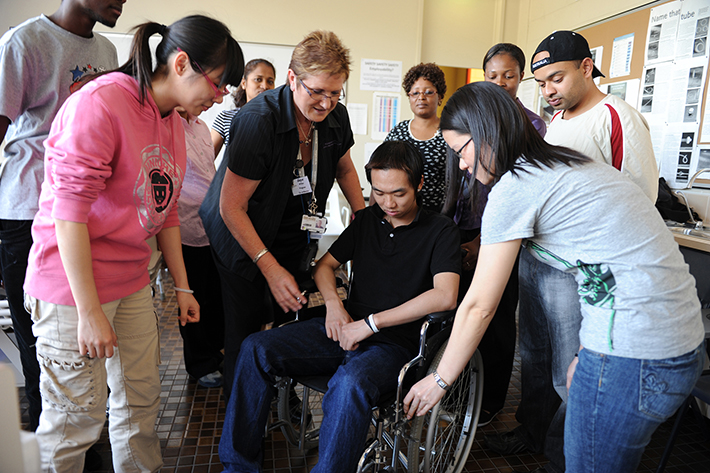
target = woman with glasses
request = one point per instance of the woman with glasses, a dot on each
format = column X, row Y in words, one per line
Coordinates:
column 263, row 211
column 259, row 76
column 642, row 346
column 503, row 65
column 425, row 85
column 115, row 162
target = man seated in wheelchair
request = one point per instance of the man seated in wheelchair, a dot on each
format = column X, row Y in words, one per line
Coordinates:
column 406, row 264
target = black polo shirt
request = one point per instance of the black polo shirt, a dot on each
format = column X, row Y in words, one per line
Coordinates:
column 263, row 146
column 394, row 265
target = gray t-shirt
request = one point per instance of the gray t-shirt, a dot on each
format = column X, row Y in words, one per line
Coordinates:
column 39, row 62
column 637, row 297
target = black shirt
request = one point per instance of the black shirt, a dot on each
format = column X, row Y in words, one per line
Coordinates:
column 394, row 265
column 263, row 146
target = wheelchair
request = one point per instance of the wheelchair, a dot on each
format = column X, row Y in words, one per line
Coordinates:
column 437, row 442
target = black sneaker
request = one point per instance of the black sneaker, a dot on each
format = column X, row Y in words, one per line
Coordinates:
column 506, row 443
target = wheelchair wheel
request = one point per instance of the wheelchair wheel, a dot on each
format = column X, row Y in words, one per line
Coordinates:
column 289, row 408
column 441, row 440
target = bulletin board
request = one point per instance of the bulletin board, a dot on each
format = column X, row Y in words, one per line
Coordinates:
column 603, row 35
column 656, row 58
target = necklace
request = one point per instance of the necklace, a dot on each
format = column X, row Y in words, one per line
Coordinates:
column 306, row 137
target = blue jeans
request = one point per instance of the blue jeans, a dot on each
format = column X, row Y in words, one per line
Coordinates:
column 549, row 321
column 358, row 380
column 615, row 404
column 15, row 244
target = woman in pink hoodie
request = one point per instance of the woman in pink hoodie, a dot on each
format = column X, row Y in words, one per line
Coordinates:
column 114, row 166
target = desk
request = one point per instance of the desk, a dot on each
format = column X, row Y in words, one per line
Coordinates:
column 689, row 241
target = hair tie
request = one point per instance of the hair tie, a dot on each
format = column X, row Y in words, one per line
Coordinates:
column 162, row 29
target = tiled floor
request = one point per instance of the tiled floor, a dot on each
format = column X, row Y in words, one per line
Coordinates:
column 191, row 419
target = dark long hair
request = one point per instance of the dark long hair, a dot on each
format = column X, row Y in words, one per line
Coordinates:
column 501, row 134
column 240, row 95
column 208, row 42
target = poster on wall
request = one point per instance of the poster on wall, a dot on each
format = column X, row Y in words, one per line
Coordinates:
column 527, row 93
column 381, row 75
column 627, row 90
column 385, row 113
column 691, row 41
column 678, row 148
column 703, row 161
column 670, row 101
column 662, row 31
column 358, row 118
column 597, row 55
column 621, row 55
column 705, row 130
column 655, row 90
column 673, row 86
column 685, row 92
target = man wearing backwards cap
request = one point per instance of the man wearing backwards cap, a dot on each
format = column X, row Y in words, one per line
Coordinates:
column 603, row 127
column 608, row 130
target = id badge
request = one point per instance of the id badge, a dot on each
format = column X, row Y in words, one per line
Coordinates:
column 301, row 186
column 314, row 224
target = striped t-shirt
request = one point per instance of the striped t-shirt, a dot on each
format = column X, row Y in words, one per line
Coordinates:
column 222, row 123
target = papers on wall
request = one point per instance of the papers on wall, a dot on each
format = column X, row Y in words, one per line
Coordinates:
column 678, row 149
column 627, row 90
column 672, row 87
column 662, row 32
column 376, row 74
column 385, row 113
column 705, row 131
column 621, row 55
column 693, row 30
column 597, row 55
column 358, row 118
column 703, row 158
column 527, row 93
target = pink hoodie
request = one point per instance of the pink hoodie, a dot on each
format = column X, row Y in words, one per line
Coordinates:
column 117, row 166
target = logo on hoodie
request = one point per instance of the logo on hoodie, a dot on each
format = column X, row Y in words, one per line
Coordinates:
column 155, row 188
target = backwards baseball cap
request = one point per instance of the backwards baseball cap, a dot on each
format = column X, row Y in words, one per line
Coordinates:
column 563, row 46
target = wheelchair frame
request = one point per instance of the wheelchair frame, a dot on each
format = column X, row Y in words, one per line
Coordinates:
column 439, row 441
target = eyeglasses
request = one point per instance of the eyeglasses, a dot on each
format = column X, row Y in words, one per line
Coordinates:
column 322, row 93
column 217, row 92
column 425, row 94
column 458, row 153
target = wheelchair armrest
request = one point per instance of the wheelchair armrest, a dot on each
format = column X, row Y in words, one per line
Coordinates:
column 438, row 317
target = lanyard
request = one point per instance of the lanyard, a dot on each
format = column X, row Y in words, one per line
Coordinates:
column 300, row 172
column 313, row 206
